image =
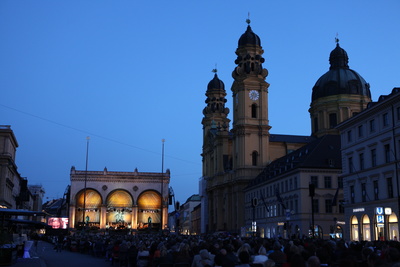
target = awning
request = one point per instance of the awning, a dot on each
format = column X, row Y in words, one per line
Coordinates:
column 22, row 212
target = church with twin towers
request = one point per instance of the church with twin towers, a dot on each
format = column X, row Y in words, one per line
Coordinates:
column 243, row 185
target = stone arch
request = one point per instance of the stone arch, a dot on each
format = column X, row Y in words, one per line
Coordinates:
column 88, row 208
column 149, row 209
column 119, row 204
column 119, row 198
column 93, row 199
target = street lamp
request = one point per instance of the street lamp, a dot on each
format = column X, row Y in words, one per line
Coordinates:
column 311, row 189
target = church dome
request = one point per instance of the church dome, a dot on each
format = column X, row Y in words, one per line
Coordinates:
column 249, row 38
column 215, row 84
column 340, row 79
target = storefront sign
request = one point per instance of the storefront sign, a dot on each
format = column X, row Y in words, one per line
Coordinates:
column 380, row 218
column 379, row 211
column 388, row 211
column 358, row 210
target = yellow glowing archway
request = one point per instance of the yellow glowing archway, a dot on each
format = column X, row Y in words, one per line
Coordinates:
column 92, row 206
column 149, row 209
column 93, row 199
column 119, row 208
column 119, row 199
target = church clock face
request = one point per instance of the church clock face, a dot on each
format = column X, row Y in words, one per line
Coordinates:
column 253, row 94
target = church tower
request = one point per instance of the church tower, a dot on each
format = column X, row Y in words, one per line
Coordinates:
column 250, row 108
column 217, row 159
column 337, row 95
column 215, row 129
column 232, row 158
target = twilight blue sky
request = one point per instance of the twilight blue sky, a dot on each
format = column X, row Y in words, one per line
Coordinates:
column 130, row 73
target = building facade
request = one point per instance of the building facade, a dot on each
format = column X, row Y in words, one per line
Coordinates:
column 234, row 157
column 119, row 200
column 370, row 154
column 278, row 202
column 15, row 193
column 10, row 180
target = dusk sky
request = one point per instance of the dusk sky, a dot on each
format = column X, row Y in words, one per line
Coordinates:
column 131, row 73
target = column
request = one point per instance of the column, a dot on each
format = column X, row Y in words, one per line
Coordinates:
column 134, row 222
column 103, row 216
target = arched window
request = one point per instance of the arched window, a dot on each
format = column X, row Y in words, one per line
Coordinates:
column 366, row 228
column 254, row 158
column 254, row 111
column 354, row 234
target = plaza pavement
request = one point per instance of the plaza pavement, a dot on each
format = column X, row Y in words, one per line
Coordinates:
column 46, row 256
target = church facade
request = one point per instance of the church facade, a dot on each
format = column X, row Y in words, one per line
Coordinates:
column 238, row 158
column 234, row 156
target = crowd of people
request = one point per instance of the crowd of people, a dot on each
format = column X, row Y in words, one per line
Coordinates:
column 160, row 250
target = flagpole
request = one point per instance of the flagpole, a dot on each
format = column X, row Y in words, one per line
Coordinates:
column 162, row 184
column 84, row 192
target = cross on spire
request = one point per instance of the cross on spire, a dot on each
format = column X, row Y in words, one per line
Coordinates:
column 215, row 70
column 248, row 18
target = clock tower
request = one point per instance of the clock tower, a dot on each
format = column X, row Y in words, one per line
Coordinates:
column 232, row 158
column 250, row 109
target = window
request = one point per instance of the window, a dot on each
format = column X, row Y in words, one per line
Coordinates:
column 385, row 119
column 286, row 186
column 340, row 182
column 351, row 167
column 361, row 158
column 341, row 206
column 315, row 205
column 314, row 180
column 387, row 153
column 389, row 187
column 398, row 113
column 349, row 136
column 332, row 120
column 290, row 184
column 328, row 205
column 361, row 131
column 295, row 183
column 372, row 126
column 373, row 157
column 254, row 111
column 254, row 158
column 364, row 192
column 316, row 124
column 328, row 181
column 376, row 190
column 352, row 194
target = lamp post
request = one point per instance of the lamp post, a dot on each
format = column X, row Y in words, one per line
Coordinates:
column 162, row 184
column 84, row 191
column 254, row 204
column 311, row 188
